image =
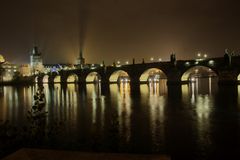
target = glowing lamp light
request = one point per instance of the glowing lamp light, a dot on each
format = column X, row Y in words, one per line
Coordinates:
column 193, row 79
column 160, row 59
column 205, row 55
column 118, row 62
column 187, row 63
column 211, row 62
column 199, row 54
column 127, row 62
column 151, row 59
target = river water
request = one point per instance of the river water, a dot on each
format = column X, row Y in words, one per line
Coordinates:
column 200, row 120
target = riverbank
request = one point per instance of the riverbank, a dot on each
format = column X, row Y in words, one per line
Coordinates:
column 38, row 154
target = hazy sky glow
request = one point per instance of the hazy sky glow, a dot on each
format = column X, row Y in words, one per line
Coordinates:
column 117, row 29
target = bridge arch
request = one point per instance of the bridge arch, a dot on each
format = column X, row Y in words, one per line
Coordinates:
column 198, row 71
column 152, row 75
column 45, row 79
column 93, row 77
column 119, row 76
column 72, row 78
column 57, row 79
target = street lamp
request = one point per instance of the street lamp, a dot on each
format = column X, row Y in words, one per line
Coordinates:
column 160, row 59
column 127, row 62
column 151, row 59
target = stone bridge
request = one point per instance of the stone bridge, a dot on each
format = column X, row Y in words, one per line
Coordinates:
column 226, row 69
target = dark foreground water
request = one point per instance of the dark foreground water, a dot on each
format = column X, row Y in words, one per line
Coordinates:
column 195, row 121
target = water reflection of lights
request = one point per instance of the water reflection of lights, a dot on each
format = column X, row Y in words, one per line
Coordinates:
column 94, row 93
column 121, row 93
column 11, row 103
column 158, row 88
column 202, row 107
column 71, row 97
column 205, row 85
column 203, row 111
column 155, row 94
column 124, row 110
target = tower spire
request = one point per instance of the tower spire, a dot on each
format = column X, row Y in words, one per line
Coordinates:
column 81, row 59
column 80, row 54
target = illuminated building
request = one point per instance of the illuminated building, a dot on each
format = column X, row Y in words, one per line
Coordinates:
column 25, row 70
column 8, row 71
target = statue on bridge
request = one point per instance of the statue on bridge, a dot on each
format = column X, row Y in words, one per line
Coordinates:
column 173, row 58
column 228, row 57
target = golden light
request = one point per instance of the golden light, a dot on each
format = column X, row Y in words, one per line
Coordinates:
column 45, row 79
column 72, row 79
column 2, row 59
column 57, row 79
column 115, row 75
column 93, row 77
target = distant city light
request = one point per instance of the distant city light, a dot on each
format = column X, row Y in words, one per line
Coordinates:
column 160, row 59
column 118, row 62
column 127, row 62
column 205, row 55
column 199, row 54
column 151, row 59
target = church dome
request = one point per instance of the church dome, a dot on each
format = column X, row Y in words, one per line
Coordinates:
column 2, row 59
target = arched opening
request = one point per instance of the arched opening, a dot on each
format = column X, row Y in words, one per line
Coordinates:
column 57, row 79
column 201, row 80
column 119, row 76
column 45, row 79
column 198, row 72
column 73, row 78
column 93, row 77
column 156, row 80
column 152, row 75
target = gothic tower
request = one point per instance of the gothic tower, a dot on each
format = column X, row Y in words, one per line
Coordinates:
column 80, row 60
column 36, row 61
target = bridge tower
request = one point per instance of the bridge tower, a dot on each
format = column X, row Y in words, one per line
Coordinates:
column 80, row 61
column 36, row 61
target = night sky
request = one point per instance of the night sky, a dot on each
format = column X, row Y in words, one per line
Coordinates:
column 117, row 29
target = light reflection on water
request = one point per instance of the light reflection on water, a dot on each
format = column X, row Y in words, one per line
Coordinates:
column 150, row 120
